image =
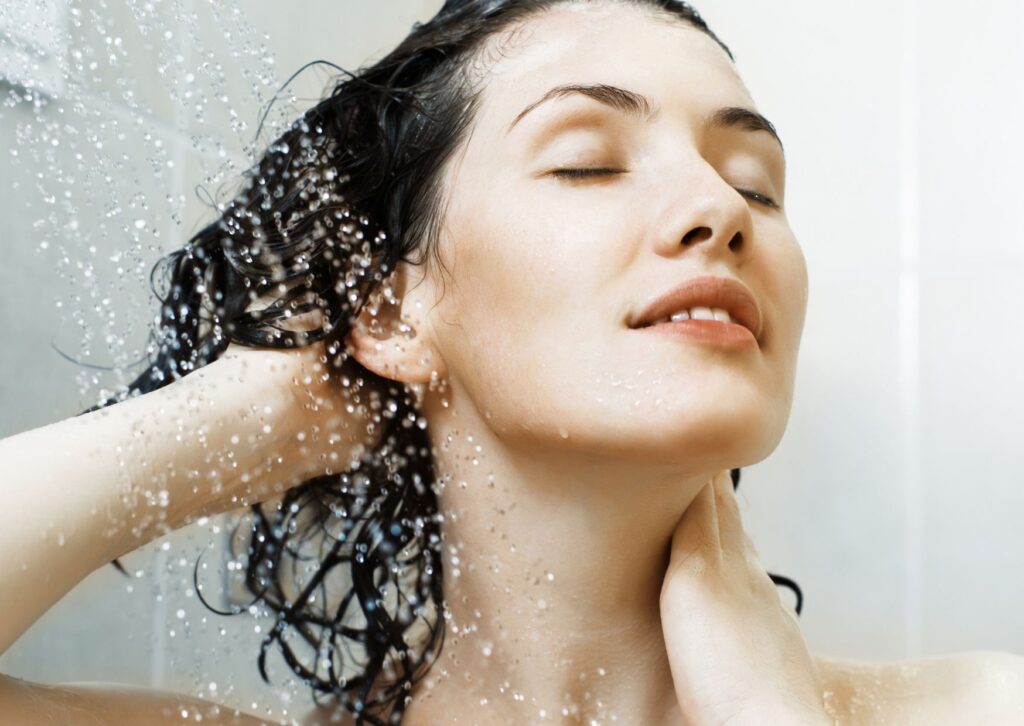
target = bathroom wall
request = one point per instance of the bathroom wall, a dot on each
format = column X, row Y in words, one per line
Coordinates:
column 893, row 498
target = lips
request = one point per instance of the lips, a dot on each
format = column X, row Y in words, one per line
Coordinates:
column 706, row 291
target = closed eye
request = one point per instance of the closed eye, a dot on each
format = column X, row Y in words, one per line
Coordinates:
column 759, row 198
column 582, row 173
column 602, row 171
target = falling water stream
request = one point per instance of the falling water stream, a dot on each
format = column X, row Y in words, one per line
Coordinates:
column 129, row 124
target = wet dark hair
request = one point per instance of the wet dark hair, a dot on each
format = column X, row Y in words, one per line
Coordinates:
column 348, row 191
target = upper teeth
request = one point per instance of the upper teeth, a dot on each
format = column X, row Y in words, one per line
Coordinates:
column 698, row 313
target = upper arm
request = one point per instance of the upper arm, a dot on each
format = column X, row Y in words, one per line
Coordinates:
column 98, row 704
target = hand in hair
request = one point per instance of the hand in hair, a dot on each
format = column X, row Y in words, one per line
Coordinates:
column 93, row 487
column 735, row 649
column 324, row 420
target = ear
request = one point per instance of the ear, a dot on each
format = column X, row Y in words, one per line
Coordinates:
column 392, row 336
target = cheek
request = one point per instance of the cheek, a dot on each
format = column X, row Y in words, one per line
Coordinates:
column 529, row 301
column 793, row 288
column 505, row 280
column 784, row 274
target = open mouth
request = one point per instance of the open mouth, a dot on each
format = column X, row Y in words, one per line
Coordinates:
column 719, row 329
column 709, row 307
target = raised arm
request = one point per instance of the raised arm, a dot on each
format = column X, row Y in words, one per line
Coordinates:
column 88, row 489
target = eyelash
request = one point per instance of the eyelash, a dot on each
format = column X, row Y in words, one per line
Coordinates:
column 584, row 173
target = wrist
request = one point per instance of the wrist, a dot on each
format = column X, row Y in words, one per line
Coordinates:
column 275, row 419
column 234, row 429
column 329, row 419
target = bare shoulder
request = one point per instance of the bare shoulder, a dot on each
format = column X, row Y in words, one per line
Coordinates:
column 326, row 715
column 971, row 687
column 99, row 704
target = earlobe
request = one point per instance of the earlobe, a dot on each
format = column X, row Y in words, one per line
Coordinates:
column 390, row 341
column 399, row 357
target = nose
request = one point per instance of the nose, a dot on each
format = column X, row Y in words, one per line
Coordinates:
column 704, row 212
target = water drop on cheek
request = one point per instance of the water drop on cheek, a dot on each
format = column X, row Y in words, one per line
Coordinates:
column 563, row 432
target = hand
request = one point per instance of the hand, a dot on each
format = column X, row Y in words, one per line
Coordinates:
column 280, row 417
column 735, row 650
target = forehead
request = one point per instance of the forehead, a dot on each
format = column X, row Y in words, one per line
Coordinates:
column 675, row 64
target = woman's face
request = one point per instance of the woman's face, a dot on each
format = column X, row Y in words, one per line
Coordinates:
column 544, row 273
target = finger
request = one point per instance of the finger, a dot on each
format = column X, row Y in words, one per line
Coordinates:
column 730, row 523
column 697, row 530
column 735, row 539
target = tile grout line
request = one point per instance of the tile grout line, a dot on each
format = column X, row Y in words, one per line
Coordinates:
column 158, row 668
column 909, row 326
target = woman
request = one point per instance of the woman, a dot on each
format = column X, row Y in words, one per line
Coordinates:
column 543, row 295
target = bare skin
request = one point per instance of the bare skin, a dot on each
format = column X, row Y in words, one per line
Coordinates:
column 589, row 514
column 951, row 689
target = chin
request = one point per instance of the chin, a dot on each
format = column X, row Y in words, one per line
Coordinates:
column 717, row 438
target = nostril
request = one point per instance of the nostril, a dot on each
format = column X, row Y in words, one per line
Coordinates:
column 697, row 234
column 736, row 242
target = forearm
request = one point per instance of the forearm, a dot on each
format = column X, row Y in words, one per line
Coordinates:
column 83, row 491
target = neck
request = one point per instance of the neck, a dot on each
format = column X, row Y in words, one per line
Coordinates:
column 553, row 566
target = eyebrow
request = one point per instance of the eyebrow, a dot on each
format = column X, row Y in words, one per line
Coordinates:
column 639, row 106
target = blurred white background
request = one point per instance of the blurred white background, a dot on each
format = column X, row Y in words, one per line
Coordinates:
column 896, row 497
